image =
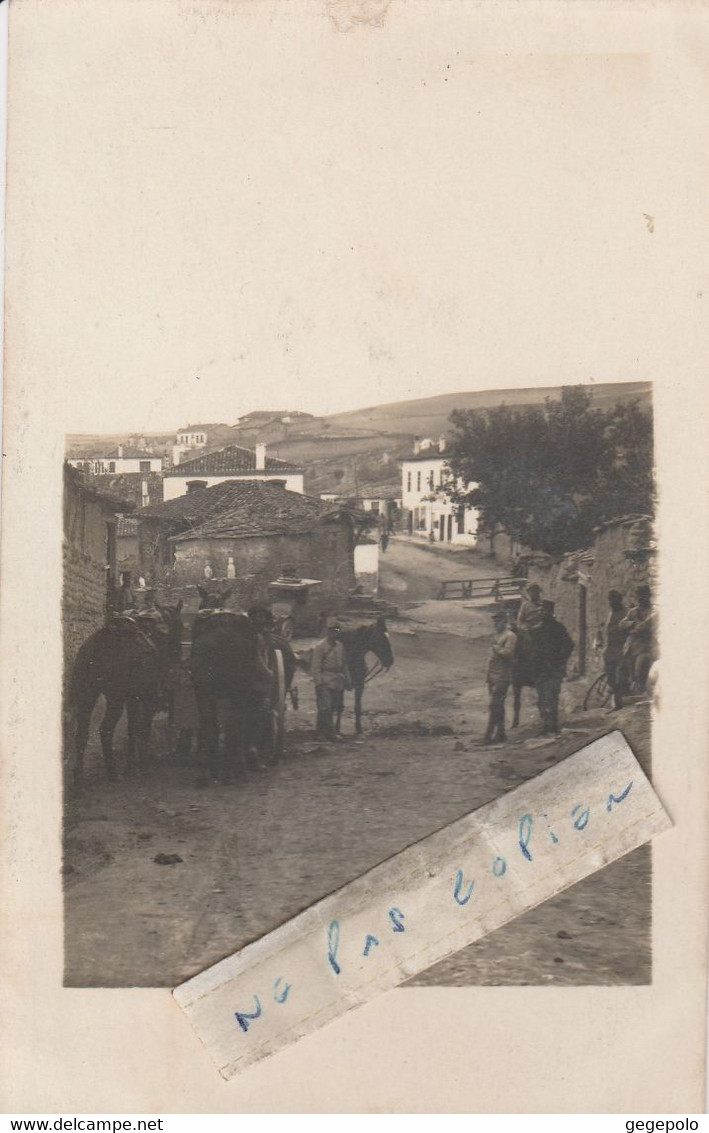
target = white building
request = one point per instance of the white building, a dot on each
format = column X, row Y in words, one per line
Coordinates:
column 194, row 437
column 231, row 463
column 122, row 458
column 428, row 511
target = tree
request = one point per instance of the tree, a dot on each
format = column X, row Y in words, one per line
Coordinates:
column 548, row 475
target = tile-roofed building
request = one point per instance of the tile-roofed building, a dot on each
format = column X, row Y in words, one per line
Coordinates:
column 260, row 525
column 232, row 462
column 118, row 459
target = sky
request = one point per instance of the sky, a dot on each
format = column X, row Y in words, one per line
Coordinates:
column 227, row 218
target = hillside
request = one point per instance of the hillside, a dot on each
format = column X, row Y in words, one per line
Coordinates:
column 428, row 416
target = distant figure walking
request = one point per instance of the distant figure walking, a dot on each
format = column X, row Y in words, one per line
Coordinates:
column 552, row 648
column 640, row 646
column 331, row 677
column 383, row 533
column 125, row 598
column 499, row 675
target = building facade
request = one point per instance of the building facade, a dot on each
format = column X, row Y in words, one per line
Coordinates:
column 230, row 463
column 246, row 534
column 427, row 509
column 118, row 460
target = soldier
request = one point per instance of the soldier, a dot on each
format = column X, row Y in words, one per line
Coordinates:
column 614, row 640
column 499, row 675
column 640, row 647
column 552, row 649
column 331, row 677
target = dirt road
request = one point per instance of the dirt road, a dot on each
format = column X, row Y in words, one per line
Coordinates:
column 259, row 850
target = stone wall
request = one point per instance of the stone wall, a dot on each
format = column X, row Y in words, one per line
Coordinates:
column 620, row 558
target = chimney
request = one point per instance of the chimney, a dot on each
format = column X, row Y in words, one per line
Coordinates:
column 120, row 452
column 442, row 443
column 196, row 485
column 417, row 445
column 260, row 458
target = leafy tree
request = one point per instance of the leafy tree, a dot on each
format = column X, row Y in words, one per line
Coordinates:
column 548, row 475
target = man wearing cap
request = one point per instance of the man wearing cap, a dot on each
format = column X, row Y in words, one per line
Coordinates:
column 640, row 625
column 552, row 649
column 331, row 677
column 499, row 675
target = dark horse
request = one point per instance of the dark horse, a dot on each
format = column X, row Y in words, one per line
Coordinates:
column 358, row 643
column 233, row 661
column 127, row 661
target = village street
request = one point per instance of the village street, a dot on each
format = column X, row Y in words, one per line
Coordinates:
column 259, row 850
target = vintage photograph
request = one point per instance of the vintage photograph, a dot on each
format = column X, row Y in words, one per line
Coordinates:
column 294, row 644
column 354, row 473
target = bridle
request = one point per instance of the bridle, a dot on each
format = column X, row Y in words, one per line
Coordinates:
column 375, row 670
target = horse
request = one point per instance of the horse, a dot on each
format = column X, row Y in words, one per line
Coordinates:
column 127, row 661
column 358, row 643
column 232, row 661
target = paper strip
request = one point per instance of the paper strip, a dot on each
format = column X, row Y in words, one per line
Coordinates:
column 426, row 903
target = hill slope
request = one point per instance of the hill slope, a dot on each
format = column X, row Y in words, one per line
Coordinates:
column 428, row 416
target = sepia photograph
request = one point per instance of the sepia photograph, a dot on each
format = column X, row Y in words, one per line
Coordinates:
column 297, row 643
column 354, row 484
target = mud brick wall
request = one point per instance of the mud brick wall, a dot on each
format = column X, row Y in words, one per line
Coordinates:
column 84, row 601
column 620, row 558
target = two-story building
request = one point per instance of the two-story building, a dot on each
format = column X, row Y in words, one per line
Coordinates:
column 122, row 458
column 428, row 510
column 231, row 463
column 192, row 438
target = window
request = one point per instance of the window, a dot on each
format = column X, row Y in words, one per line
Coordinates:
column 418, row 481
column 145, row 466
column 408, row 481
column 111, row 466
column 430, row 479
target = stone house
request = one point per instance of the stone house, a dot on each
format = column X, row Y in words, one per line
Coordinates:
column 89, row 558
column 260, row 525
column 230, row 463
column 621, row 557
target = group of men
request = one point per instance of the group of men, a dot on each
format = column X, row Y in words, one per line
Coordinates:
column 549, row 646
column 629, row 649
column 629, row 644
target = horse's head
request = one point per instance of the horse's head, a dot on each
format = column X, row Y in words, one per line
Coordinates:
column 213, row 599
column 379, row 643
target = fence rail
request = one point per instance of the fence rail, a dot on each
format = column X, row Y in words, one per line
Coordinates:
column 500, row 589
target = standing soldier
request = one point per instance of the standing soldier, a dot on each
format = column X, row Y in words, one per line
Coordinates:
column 331, row 677
column 552, row 649
column 499, row 675
column 614, row 639
column 640, row 646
